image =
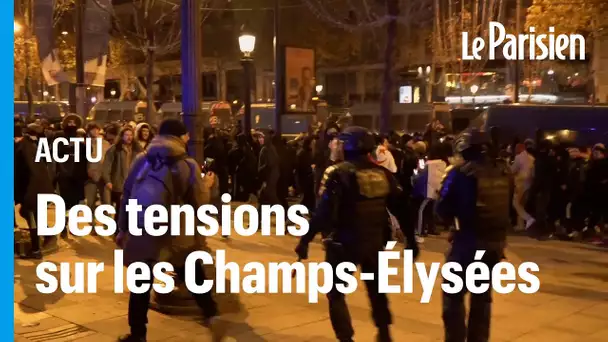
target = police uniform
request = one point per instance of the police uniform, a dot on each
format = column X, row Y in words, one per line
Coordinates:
column 354, row 196
column 465, row 199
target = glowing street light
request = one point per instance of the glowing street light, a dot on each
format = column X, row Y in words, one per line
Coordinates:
column 247, row 44
column 17, row 27
column 319, row 88
column 113, row 92
column 550, row 72
column 64, row 33
column 474, row 89
column 93, row 99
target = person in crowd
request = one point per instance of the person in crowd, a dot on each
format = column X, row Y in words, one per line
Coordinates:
column 165, row 175
column 597, row 191
column 143, row 135
column 285, row 170
column 95, row 184
column 269, row 170
column 426, row 189
column 305, row 175
column 522, row 170
column 558, row 200
column 117, row 163
column 384, row 157
column 110, row 132
column 545, row 167
column 352, row 214
column 420, row 148
column 322, row 150
column 576, row 209
column 242, row 166
column 31, row 179
column 476, row 227
column 72, row 174
column 215, row 149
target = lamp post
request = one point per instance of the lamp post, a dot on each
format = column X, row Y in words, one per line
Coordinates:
column 247, row 45
column 474, row 89
column 319, row 89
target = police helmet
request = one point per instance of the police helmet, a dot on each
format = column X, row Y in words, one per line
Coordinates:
column 357, row 139
column 468, row 145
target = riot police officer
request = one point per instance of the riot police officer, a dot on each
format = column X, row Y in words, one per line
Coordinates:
column 466, row 199
column 352, row 214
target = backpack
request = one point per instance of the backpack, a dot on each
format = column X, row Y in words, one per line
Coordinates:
column 158, row 182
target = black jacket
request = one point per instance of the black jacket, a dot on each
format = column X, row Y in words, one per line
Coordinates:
column 353, row 206
column 31, row 178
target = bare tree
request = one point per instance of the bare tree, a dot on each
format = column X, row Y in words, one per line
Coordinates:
column 374, row 16
column 451, row 18
column 150, row 28
column 25, row 46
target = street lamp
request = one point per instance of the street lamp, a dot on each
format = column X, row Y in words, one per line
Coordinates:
column 474, row 89
column 550, row 72
column 64, row 33
column 113, row 92
column 247, row 45
column 319, row 89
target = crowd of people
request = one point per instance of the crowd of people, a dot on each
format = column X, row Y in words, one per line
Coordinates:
column 554, row 186
column 558, row 190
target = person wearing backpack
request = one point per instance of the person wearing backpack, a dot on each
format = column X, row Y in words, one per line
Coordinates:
column 165, row 175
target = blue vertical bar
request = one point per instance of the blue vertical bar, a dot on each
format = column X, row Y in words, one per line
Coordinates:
column 6, row 200
column 191, row 76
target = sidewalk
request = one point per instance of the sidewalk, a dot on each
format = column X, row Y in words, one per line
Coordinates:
column 571, row 305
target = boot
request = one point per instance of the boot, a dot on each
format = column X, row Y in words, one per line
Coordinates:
column 131, row 338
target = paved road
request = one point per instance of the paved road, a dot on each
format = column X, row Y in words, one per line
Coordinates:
column 571, row 305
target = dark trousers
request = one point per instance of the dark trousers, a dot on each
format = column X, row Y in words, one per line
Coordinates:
column 578, row 214
column 30, row 218
column 308, row 197
column 426, row 216
column 543, row 199
column 338, row 310
column 456, row 327
column 138, row 303
column 115, row 198
column 598, row 210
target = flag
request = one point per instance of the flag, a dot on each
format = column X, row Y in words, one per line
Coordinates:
column 96, row 38
column 47, row 51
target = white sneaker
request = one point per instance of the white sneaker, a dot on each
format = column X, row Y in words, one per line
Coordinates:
column 529, row 223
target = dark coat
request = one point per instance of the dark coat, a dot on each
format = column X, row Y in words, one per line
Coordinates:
column 31, row 178
column 174, row 249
